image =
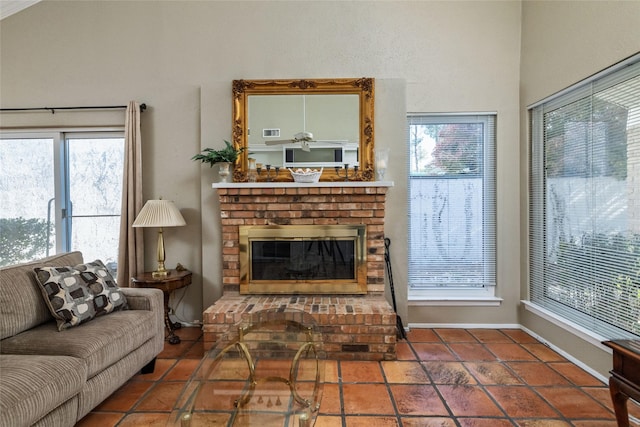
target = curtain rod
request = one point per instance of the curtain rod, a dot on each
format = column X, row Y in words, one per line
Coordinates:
column 53, row 109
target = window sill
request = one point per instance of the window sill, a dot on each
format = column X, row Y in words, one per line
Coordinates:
column 567, row 325
column 454, row 297
column 455, row 301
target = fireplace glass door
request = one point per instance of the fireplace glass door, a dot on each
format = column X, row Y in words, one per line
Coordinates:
column 302, row 259
column 309, row 259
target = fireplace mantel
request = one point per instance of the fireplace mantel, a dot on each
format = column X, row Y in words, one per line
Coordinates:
column 290, row 184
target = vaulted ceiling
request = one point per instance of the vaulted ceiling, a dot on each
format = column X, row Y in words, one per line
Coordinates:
column 9, row 7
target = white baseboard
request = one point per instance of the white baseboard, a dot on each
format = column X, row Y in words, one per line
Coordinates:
column 465, row 325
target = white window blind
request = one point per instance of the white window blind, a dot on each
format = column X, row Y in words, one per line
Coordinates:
column 584, row 233
column 452, row 199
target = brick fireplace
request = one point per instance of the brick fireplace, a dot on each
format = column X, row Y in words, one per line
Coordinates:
column 355, row 326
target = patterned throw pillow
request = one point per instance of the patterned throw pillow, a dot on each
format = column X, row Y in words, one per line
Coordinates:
column 78, row 294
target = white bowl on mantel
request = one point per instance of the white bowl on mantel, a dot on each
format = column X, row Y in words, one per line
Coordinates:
column 306, row 175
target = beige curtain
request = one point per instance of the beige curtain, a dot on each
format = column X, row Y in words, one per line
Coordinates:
column 131, row 245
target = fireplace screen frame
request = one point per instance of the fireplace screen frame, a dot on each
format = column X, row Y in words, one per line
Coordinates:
column 357, row 285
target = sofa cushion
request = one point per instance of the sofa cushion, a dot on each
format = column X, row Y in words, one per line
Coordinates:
column 33, row 386
column 21, row 304
column 99, row 343
column 78, row 294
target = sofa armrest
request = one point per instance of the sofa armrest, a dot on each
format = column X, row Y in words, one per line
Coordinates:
column 144, row 299
column 148, row 299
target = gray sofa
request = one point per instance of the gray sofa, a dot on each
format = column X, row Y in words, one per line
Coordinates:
column 54, row 378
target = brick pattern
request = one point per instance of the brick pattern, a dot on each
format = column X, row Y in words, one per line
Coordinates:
column 359, row 328
column 353, row 327
column 302, row 206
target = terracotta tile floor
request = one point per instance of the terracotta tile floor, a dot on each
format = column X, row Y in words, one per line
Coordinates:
column 443, row 377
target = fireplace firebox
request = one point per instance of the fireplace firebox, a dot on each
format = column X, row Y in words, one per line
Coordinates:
column 303, row 259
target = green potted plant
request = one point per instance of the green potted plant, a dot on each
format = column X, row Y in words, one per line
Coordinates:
column 225, row 157
column 212, row 156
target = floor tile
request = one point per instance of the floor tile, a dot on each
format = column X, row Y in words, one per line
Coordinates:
column 189, row 333
column 485, row 422
column 265, row 367
column 360, row 372
column 371, row 421
column 404, row 351
column 602, row 395
column 182, row 370
column 196, row 351
column 228, row 369
column 404, row 372
column 543, row 352
column 220, row 395
column 418, row 400
column 267, row 396
column 455, row 335
column 331, row 371
column 330, row 403
column 173, row 351
column 162, row 367
column 125, row 397
column 598, row 423
column 490, row 335
column 506, row 352
column 161, row 397
column 537, row 374
column 575, row 374
column 542, row 422
column 422, row 335
column 249, row 419
column 358, row 399
column 519, row 336
column 452, row 373
column 634, row 409
column 100, row 419
column 521, row 402
column 492, row 373
column 572, row 402
column 471, row 351
column 328, row 421
column 469, row 401
column 145, row 419
column 209, row 419
column 428, row 422
column 433, row 351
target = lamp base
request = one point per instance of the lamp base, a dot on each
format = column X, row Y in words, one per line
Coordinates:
column 159, row 274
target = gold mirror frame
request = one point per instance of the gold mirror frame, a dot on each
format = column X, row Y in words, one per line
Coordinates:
column 363, row 87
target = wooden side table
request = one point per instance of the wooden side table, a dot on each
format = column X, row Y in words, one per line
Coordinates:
column 624, row 382
column 174, row 280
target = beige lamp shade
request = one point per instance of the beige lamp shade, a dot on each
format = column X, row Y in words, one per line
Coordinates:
column 159, row 213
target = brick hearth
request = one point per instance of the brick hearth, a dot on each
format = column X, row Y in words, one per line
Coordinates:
column 356, row 327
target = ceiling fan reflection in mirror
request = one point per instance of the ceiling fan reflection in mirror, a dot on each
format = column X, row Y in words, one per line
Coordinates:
column 304, row 138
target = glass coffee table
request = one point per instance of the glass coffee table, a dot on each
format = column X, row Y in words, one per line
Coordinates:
column 268, row 370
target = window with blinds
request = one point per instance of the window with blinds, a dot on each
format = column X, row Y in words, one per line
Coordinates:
column 452, row 199
column 584, row 233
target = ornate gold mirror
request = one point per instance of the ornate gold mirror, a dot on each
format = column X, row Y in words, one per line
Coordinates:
column 304, row 124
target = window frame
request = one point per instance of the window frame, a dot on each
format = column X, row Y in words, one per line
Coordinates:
column 480, row 295
column 580, row 323
column 62, row 210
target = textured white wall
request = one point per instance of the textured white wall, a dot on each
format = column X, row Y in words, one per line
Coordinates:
column 180, row 57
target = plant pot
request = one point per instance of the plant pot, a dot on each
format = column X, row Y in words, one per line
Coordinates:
column 224, row 170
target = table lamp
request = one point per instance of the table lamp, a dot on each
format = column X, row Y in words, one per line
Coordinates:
column 159, row 213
